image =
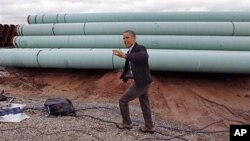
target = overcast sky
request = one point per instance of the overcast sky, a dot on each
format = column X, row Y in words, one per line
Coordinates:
column 16, row 11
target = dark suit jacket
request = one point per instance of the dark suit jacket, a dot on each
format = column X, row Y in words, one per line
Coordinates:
column 139, row 65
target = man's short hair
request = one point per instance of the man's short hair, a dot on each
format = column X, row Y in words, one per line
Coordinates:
column 131, row 32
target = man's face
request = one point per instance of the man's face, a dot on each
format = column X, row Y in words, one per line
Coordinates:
column 128, row 39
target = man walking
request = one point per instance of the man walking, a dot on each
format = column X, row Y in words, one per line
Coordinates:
column 136, row 68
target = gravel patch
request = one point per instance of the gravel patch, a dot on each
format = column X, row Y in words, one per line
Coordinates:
column 94, row 121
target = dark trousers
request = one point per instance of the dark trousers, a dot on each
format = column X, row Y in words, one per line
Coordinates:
column 131, row 93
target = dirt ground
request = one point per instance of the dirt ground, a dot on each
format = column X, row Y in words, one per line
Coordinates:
column 193, row 99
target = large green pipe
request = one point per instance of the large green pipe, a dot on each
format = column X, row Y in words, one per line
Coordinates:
column 76, row 58
column 161, row 60
column 108, row 41
column 19, row 57
column 141, row 28
column 58, row 58
column 149, row 41
column 200, row 61
column 170, row 28
column 51, row 29
column 139, row 16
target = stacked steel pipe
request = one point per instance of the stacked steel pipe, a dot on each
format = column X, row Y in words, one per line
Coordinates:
column 176, row 41
column 7, row 33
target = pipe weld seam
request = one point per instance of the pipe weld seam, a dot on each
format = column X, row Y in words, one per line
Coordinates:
column 14, row 42
column 57, row 18
column 84, row 28
column 37, row 60
column 43, row 18
column 233, row 32
column 53, row 29
column 64, row 18
column 35, row 19
column 21, row 32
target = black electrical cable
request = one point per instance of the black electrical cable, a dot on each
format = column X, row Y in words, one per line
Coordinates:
column 102, row 120
column 213, row 132
column 94, row 107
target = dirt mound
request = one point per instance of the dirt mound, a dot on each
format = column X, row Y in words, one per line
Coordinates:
column 189, row 98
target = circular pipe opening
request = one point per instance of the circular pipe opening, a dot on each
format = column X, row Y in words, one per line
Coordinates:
column 6, row 27
column 12, row 27
column 1, row 27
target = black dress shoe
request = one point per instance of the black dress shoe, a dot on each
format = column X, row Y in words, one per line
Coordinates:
column 147, row 130
column 123, row 126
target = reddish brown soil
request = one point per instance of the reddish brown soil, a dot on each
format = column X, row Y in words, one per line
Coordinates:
column 190, row 98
